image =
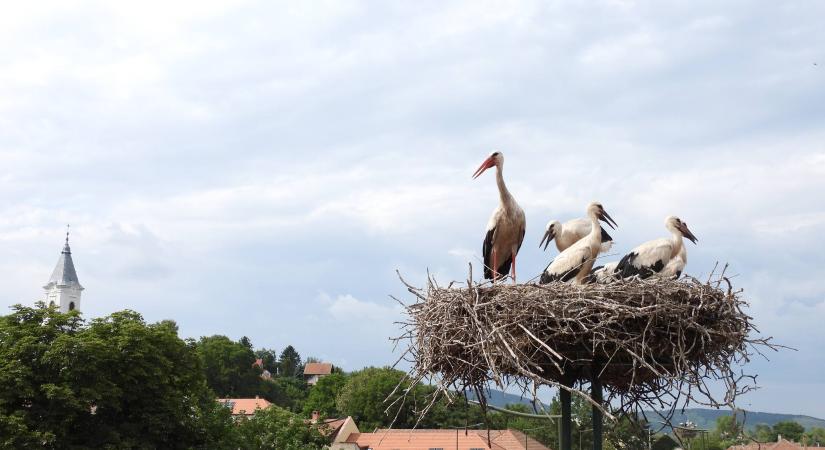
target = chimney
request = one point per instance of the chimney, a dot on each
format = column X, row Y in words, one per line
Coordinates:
column 256, row 397
column 316, row 416
column 778, row 438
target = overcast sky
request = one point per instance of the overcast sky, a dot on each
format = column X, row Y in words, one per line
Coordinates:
column 262, row 168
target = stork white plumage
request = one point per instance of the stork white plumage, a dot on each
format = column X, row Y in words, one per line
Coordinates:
column 574, row 263
column 505, row 229
column 567, row 233
column 605, row 273
column 675, row 266
column 653, row 256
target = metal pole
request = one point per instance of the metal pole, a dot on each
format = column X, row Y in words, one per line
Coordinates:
column 596, row 395
column 566, row 429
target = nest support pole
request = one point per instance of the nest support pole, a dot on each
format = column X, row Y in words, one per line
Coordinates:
column 597, row 396
column 566, row 436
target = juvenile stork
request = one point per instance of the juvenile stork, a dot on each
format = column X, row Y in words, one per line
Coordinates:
column 567, row 233
column 505, row 229
column 603, row 274
column 675, row 266
column 653, row 256
column 575, row 262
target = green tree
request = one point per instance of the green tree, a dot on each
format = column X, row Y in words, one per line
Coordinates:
column 322, row 396
column 789, row 430
column 228, row 366
column 269, row 358
column 277, row 428
column 115, row 383
column 290, row 362
column 815, row 437
column 363, row 398
column 763, row 433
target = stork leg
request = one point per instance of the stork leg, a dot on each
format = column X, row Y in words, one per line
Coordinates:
column 495, row 265
column 514, row 267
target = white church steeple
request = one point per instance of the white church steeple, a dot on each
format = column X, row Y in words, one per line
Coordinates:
column 63, row 288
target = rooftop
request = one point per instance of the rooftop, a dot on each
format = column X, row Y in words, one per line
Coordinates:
column 244, row 406
column 64, row 273
column 469, row 439
column 318, row 369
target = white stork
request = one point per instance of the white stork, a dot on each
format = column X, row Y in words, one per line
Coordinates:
column 604, row 274
column 675, row 266
column 653, row 256
column 567, row 233
column 575, row 262
column 505, row 229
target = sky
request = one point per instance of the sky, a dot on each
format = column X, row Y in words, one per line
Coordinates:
column 263, row 169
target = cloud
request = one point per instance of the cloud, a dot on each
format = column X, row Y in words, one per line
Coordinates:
column 221, row 164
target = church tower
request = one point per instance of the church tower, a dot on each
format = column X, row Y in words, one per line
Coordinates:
column 63, row 288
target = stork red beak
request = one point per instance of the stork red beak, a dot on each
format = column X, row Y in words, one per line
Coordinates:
column 686, row 233
column 548, row 235
column 605, row 217
column 489, row 162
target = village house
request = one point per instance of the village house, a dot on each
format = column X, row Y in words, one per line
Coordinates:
column 780, row 444
column 315, row 371
column 432, row 439
column 244, row 407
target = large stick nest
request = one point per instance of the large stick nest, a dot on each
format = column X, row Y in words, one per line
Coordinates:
column 652, row 343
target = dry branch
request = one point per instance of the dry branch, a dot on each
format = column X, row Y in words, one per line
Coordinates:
column 655, row 344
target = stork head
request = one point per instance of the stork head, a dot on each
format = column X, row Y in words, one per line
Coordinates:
column 495, row 159
column 596, row 209
column 676, row 224
column 550, row 231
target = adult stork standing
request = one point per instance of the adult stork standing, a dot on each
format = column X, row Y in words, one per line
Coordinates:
column 575, row 262
column 505, row 229
column 653, row 256
column 567, row 233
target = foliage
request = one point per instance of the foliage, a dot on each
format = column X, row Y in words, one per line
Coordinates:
column 228, row 366
column 815, row 437
column 277, row 428
column 269, row 358
column 290, row 362
column 363, row 398
column 322, row 396
column 789, row 430
column 114, row 383
column 286, row 392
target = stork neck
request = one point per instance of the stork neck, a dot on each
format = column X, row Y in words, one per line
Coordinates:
column 503, row 193
column 678, row 242
column 595, row 229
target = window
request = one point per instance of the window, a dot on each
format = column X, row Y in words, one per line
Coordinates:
column 71, row 306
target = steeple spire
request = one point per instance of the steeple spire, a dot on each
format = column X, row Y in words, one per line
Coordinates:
column 64, row 287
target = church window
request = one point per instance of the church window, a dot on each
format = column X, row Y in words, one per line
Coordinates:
column 71, row 306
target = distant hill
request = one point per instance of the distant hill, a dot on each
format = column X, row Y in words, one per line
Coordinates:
column 706, row 418
column 502, row 399
column 703, row 418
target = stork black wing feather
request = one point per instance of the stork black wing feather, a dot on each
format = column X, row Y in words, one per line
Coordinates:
column 487, row 252
column 605, row 237
column 627, row 269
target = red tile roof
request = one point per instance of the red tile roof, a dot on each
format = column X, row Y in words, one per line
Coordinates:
column 318, row 369
column 418, row 439
column 782, row 444
column 244, row 406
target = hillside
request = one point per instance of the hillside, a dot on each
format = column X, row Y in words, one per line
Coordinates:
column 706, row 418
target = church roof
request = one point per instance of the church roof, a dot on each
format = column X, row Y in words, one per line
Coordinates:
column 64, row 273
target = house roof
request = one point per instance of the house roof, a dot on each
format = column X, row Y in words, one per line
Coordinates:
column 64, row 273
column 781, row 444
column 244, row 406
column 318, row 369
column 418, row 439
